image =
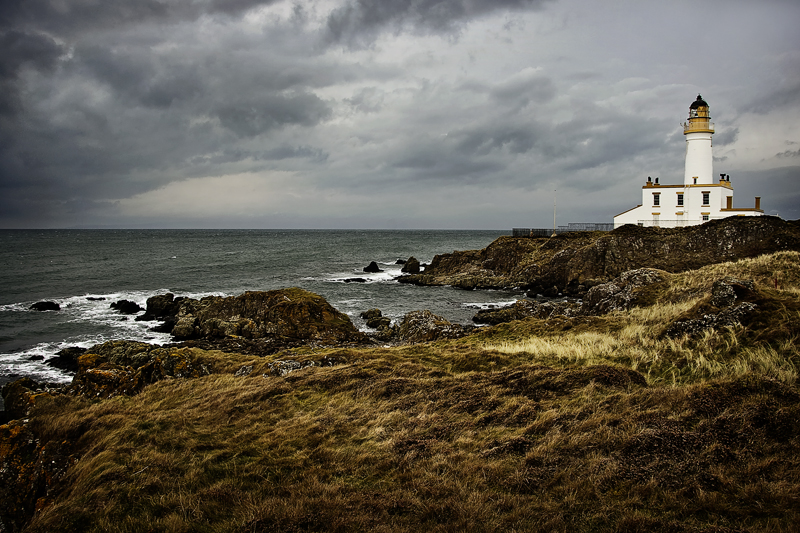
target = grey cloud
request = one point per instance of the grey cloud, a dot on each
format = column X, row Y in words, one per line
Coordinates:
column 360, row 21
column 270, row 111
column 726, row 136
column 524, row 88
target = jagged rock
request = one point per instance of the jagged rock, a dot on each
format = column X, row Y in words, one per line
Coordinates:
column 161, row 307
column 411, row 266
column 125, row 367
column 730, row 316
column 45, row 306
column 126, row 307
column 67, row 359
column 725, row 292
column 424, row 326
column 619, row 294
column 523, row 309
column 372, row 267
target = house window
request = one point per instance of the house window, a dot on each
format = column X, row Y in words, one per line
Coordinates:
column 706, row 198
column 705, row 218
column 656, row 198
column 680, row 200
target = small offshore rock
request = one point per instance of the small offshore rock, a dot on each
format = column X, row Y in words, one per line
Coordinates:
column 371, row 313
column 126, row 307
column 412, row 266
column 372, row 267
column 354, row 280
column 45, row 306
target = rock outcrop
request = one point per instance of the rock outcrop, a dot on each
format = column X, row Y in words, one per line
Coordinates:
column 288, row 316
column 45, row 306
column 124, row 368
column 372, row 267
column 730, row 304
column 574, row 262
column 411, row 266
column 126, row 307
column 524, row 309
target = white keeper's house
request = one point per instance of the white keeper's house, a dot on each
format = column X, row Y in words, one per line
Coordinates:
column 699, row 198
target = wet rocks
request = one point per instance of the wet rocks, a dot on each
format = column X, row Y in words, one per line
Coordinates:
column 411, row 266
column 372, row 268
column 161, row 307
column 45, row 306
column 126, row 307
column 375, row 319
column 66, row 359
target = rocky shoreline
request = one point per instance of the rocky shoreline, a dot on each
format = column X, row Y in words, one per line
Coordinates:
column 290, row 330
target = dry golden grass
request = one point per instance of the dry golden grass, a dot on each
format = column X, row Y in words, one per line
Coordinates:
column 529, row 426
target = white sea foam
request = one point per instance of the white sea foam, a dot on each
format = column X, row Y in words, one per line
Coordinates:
column 487, row 305
column 93, row 315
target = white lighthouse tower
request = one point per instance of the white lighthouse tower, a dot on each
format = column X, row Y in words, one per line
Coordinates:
column 699, row 198
column 698, row 131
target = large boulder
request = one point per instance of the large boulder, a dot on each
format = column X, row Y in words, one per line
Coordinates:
column 289, row 316
column 45, row 306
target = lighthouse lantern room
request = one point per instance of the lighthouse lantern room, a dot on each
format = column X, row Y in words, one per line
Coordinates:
column 699, row 198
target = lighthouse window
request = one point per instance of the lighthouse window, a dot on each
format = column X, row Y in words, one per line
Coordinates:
column 656, row 199
column 706, row 198
column 680, row 200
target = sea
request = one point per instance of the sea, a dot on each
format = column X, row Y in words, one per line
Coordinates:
column 85, row 271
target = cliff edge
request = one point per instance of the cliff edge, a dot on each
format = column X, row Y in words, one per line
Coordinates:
column 574, row 262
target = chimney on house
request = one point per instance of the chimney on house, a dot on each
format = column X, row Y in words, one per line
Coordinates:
column 758, row 203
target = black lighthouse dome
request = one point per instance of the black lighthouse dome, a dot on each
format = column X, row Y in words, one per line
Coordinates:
column 698, row 103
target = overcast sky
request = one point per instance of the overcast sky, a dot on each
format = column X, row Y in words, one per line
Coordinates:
column 464, row 114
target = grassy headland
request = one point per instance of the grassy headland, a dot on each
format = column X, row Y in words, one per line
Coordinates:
column 598, row 423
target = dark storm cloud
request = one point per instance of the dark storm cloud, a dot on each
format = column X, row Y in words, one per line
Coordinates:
column 66, row 17
column 360, row 21
column 17, row 51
